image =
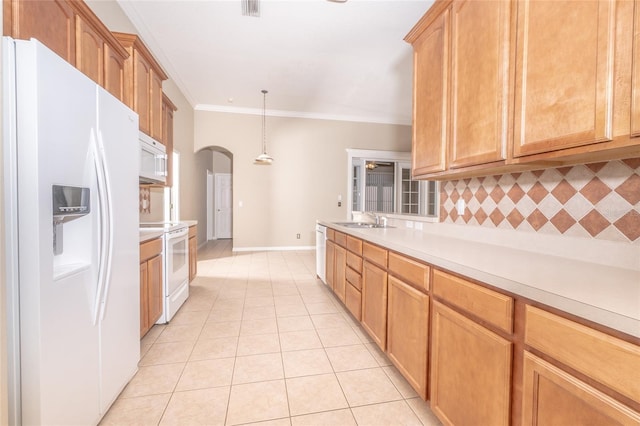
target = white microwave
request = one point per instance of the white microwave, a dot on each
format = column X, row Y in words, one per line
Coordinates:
column 153, row 160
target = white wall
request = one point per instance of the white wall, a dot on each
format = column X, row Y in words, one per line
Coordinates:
column 4, row 410
column 305, row 179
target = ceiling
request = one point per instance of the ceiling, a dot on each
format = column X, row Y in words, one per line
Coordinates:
column 317, row 58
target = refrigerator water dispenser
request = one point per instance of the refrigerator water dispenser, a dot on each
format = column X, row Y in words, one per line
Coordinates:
column 69, row 203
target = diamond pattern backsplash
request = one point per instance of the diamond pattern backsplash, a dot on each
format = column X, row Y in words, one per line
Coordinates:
column 600, row 200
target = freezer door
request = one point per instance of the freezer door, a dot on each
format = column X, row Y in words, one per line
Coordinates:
column 55, row 109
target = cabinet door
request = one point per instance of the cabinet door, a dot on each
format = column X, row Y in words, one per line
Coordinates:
column 141, row 90
column 554, row 397
column 340, row 279
column 114, row 72
column 407, row 333
column 564, row 75
column 167, row 135
column 430, row 100
column 89, row 51
column 193, row 258
column 470, row 371
column 374, row 302
column 330, row 263
column 635, row 82
column 480, row 46
column 155, row 106
column 144, row 299
column 51, row 22
column 155, row 289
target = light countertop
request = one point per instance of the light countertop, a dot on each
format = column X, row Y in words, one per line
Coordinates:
column 149, row 234
column 594, row 279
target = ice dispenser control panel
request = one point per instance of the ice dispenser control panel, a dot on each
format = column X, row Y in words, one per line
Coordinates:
column 69, row 203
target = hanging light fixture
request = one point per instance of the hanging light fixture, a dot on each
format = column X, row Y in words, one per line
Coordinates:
column 264, row 158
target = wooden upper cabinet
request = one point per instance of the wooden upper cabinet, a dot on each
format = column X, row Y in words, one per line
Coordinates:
column 143, row 79
column 635, row 82
column 114, row 71
column 89, row 51
column 564, row 75
column 430, row 101
column 52, row 22
column 168, row 108
column 480, row 48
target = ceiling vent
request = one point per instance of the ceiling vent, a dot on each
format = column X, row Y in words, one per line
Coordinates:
column 251, row 8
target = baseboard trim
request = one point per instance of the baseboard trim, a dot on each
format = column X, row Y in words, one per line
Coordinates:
column 288, row 248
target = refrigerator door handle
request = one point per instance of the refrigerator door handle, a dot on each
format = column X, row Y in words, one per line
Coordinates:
column 102, row 226
column 109, row 227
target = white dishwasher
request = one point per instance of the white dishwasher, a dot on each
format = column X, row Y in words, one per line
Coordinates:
column 321, row 251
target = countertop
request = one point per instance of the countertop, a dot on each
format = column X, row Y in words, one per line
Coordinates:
column 594, row 279
column 149, row 234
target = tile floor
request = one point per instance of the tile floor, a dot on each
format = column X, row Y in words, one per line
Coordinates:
column 261, row 341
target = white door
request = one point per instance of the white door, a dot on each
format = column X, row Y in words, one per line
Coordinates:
column 210, row 206
column 223, row 205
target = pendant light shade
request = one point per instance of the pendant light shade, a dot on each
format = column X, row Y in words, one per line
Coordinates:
column 264, row 158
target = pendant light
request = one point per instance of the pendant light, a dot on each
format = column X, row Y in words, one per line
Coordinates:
column 264, row 158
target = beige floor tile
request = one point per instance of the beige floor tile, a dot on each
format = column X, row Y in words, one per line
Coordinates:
column 379, row 356
column 222, row 347
column 362, row 334
column 206, row 374
column 142, row 411
column 144, row 348
column 369, row 386
column 321, row 308
column 213, row 330
column 232, row 293
column 306, row 363
column 153, row 380
column 152, row 334
column 291, row 310
column 345, row 358
column 299, row 340
column 400, row 382
column 167, row 353
column 395, row 413
column 282, row 289
column 258, row 344
column 258, row 312
column 253, row 302
column 257, row 368
column 191, row 318
column 197, row 407
column 423, row 411
column 279, row 422
column 313, row 394
column 329, row 321
column 341, row 336
column 225, row 314
column 327, row 418
column 262, row 326
column 255, row 402
column 179, row 333
column 197, row 304
column 297, row 323
column 283, row 300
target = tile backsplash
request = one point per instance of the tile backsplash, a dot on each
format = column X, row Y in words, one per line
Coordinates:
column 600, row 200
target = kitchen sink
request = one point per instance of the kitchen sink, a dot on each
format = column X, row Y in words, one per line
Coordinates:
column 362, row 225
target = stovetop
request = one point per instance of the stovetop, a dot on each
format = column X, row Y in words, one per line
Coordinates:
column 165, row 226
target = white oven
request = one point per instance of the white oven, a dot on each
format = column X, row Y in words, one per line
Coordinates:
column 176, row 270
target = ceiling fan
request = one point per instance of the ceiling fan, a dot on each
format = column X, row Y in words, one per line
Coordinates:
column 370, row 165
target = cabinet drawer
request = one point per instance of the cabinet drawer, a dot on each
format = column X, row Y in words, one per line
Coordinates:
column 375, row 254
column 611, row 361
column 486, row 304
column 354, row 245
column 148, row 249
column 331, row 234
column 409, row 270
column 341, row 239
column 353, row 301
column 354, row 278
column 354, row 261
column 192, row 231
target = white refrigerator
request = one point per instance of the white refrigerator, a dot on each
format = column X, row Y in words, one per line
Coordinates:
column 71, row 212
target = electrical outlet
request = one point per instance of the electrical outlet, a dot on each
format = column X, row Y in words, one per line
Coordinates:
column 460, row 205
column 298, row 236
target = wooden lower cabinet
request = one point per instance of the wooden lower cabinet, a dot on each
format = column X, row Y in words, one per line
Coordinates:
column 408, row 332
column 330, row 264
column 554, row 397
column 193, row 252
column 353, row 301
column 151, row 281
column 470, row 371
column 374, row 302
column 340, row 281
